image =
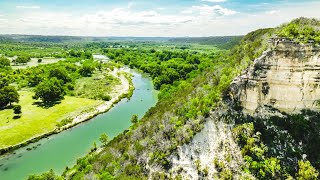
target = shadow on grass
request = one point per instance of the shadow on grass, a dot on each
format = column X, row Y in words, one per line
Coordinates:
column 17, row 117
column 46, row 105
column 6, row 107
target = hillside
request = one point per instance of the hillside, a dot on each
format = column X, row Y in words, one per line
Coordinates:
column 223, row 42
column 207, row 129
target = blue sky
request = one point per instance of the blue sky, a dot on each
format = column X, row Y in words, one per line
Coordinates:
column 149, row 17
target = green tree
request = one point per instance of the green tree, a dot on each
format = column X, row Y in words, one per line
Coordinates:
column 60, row 73
column 4, row 62
column 104, row 139
column 50, row 90
column 8, row 95
column 22, row 59
column 134, row 119
column 87, row 69
column 306, row 171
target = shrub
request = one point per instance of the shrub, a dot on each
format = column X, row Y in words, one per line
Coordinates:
column 17, row 109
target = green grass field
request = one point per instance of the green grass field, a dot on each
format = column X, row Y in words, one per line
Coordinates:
column 103, row 85
column 37, row 120
column 34, row 62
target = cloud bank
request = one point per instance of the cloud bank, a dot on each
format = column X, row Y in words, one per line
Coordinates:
column 193, row 20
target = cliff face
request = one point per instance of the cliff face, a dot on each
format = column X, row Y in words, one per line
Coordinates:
column 286, row 77
column 211, row 151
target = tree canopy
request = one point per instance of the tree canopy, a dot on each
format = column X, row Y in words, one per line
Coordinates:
column 50, row 90
column 8, row 95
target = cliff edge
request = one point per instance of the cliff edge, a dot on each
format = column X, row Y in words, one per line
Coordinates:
column 285, row 77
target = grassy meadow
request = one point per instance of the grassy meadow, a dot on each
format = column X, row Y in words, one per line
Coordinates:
column 36, row 120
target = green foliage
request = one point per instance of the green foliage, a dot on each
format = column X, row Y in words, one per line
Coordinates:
column 302, row 30
column 8, row 95
column 283, row 137
column 45, row 176
column 4, row 62
column 134, row 119
column 87, row 68
column 306, row 171
column 60, row 73
column 222, row 42
column 106, row 176
column 64, row 122
column 17, row 109
column 50, row 90
column 22, row 59
column 104, row 139
column 254, row 152
column 165, row 67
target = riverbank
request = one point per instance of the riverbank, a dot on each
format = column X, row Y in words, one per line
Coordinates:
column 125, row 89
column 64, row 149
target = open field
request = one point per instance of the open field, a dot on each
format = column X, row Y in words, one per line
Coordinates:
column 37, row 120
column 34, row 62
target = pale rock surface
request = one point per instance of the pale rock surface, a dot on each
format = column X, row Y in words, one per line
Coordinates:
column 215, row 141
column 285, row 77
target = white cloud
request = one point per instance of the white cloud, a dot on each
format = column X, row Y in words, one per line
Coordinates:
column 215, row 1
column 202, row 20
column 272, row 12
column 28, row 7
column 206, row 10
column 126, row 17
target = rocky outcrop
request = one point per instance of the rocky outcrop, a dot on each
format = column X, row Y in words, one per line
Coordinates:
column 285, row 77
column 211, row 151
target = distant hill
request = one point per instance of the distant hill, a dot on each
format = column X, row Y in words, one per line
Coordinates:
column 48, row 39
column 64, row 39
column 223, row 42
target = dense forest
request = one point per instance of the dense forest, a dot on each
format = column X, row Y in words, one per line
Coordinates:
column 223, row 42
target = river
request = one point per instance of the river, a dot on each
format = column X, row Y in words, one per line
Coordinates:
column 63, row 149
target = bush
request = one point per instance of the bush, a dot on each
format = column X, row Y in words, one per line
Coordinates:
column 134, row 119
column 17, row 109
column 104, row 97
column 306, row 171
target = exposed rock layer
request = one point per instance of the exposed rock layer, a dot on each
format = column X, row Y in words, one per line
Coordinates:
column 286, row 77
column 214, row 143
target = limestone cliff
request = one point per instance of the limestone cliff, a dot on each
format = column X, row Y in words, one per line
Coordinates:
column 285, row 77
column 211, row 151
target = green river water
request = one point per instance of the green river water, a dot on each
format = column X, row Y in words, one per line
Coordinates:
column 63, row 149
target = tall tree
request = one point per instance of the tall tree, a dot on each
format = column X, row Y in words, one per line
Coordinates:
column 60, row 73
column 50, row 90
column 8, row 95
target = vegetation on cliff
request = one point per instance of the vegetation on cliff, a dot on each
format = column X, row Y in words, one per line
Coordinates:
column 302, row 30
